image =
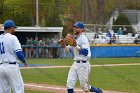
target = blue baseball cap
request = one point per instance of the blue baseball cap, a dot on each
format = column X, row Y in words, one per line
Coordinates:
column 9, row 23
column 79, row 25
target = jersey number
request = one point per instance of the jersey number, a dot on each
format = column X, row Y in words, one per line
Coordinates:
column 1, row 48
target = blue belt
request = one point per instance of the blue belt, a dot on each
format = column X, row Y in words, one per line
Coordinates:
column 81, row 61
column 9, row 63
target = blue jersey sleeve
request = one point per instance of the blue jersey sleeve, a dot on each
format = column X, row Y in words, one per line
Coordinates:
column 21, row 56
column 84, row 51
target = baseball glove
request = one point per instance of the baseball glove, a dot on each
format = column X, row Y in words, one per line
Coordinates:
column 70, row 40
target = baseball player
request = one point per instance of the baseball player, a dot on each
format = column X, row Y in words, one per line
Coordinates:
column 10, row 52
column 81, row 66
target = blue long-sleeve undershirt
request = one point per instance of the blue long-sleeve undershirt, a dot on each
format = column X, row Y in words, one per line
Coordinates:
column 21, row 56
column 84, row 51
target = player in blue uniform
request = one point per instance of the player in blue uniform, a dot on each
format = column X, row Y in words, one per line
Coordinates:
column 10, row 52
column 81, row 66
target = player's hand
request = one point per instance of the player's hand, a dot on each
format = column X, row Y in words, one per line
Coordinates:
column 70, row 40
column 25, row 65
column 62, row 43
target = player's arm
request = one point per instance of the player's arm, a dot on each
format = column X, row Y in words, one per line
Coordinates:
column 20, row 56
column 63, row 44
column 69, row 48
column 82, row 50
column 18, row 50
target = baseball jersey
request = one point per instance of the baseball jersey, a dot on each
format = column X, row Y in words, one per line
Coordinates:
column 9, row 45
column 82, row 42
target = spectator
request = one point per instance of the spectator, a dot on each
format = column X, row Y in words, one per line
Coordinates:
column 137, row 40
column 120, row 32
column 125, row 31
column 47, row 50
column 29, row 47
column 111, row 31
column 96, row 35
column 134, row 33
column 113, row 39
column 100, row 32
column 55, row 47
column 35, row 43
column 41, row 47
column 47, row 41
column 62, row 52
column 117, row 40
column 109, row 36
column 107, row 39
column 102, row 40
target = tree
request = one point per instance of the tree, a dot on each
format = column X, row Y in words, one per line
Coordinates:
column 100, row 11
column 122, row 20
column 1, row 11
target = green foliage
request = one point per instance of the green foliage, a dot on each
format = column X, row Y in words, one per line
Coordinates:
column 18, row 11
column 122, row 20
column 133, row 4
column 64, row 33
column 23, row 12
column 108, row 8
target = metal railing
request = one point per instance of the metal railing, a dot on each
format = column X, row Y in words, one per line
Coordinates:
column 31, row 51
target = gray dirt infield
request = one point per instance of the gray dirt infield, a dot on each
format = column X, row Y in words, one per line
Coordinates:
column 57, row 89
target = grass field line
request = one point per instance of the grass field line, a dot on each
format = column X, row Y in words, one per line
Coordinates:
column 130, row 64
column 57, row 89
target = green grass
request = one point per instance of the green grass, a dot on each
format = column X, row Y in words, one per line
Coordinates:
column 51, row 61
column 124, row 78
column 121, row 78
column 92, row 61
column 114, row 60
column 54, row 76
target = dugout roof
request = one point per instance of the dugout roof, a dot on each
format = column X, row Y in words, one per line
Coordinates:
column 37, row 29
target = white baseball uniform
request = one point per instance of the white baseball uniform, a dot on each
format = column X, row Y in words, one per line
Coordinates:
column 10, row 76
column 81, row 69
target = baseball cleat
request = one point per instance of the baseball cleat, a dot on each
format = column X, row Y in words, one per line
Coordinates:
column 101, row 90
